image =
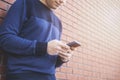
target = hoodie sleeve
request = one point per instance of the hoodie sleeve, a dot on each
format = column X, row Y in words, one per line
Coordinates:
column 59, row 62
column 10, row 28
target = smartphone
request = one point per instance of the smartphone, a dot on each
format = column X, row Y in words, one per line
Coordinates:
column 74, row 44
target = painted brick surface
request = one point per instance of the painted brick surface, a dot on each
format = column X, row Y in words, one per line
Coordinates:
column 95, row 24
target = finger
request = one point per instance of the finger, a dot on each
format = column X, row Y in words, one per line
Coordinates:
column 63, row 58
column 57, row 2
column 64, row 54
column 73, row 48
column 64, row 46
column 69, row 51
column 59, row 49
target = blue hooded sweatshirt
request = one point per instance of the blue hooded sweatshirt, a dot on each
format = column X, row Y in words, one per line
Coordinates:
column 24, row 34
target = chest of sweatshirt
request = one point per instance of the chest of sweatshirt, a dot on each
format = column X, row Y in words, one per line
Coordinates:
column 41, row 23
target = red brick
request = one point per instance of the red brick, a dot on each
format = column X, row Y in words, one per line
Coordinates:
column 2, row 69
column 61, row 75
column 72, row 77
column 96, row 25
column 2, row 77
column 66, row 70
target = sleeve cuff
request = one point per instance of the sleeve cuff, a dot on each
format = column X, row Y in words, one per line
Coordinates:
column 41, row 48
column 59, row 62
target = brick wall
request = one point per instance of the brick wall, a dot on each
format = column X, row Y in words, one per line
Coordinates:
column 95, row 24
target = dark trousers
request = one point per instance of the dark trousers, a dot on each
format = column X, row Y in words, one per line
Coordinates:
column 30, row 76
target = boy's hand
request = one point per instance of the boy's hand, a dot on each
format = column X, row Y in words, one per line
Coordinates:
column 56, row 46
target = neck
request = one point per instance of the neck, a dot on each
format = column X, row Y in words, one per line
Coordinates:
column 44, row 2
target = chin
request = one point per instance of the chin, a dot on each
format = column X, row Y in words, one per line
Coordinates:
column 54, row 7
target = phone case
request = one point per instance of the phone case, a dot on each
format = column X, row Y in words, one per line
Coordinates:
column 74, row 44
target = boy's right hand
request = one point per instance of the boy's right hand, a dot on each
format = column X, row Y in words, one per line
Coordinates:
column 56, row 46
